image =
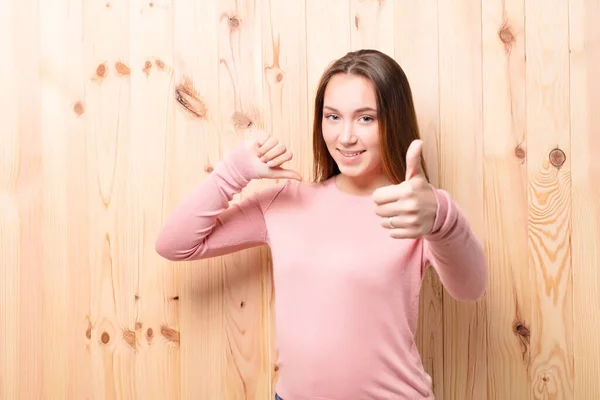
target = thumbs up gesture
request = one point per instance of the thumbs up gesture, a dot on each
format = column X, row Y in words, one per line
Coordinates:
column 269, row 155
column 408, row 209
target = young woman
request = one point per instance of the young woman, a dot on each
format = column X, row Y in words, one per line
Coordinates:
column 349, row 249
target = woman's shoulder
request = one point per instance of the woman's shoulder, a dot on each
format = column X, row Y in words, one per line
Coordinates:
column 291, row 192
column 306, row 187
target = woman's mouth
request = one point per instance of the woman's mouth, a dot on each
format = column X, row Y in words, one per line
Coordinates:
column 350, row 157
column 351, row 154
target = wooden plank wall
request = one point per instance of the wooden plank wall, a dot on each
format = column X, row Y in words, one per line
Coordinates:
column 113, row 110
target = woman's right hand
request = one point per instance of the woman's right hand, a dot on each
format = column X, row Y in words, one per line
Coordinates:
column 270, row 155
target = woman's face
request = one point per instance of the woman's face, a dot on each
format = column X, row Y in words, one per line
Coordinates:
column 350, row 126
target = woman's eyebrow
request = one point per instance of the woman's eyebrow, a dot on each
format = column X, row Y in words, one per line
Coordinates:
column 362, row 109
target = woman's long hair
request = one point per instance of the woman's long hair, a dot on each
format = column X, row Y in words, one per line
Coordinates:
column 396, row 114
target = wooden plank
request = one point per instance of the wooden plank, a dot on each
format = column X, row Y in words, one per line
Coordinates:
column 548, row 166
column 27, row 191
column 10, row 223
column 53, row 226
column 419, row 59
column 109, row 196
column 285, row 116
column 241, row 102
column 97, row 150
column 79, row 335
column 372, row 25
column 328, row 37
column 152, row 332
column 461, row 173
column 192, row 149
column 505, row 150
column 584, row 34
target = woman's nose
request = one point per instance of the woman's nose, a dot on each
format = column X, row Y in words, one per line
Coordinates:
column 347, row 134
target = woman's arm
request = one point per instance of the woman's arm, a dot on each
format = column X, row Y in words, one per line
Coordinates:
column 203, row 225
column 455, row 252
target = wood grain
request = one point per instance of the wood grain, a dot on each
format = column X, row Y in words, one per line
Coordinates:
column 77, row 121
column 28, row 190
column 372, row 25
column 584, row 99
column 113, row 111
column 10, row 221
column 420, row 61
column 505, row 191
column 242, row 99
column 191, row 152
column 549, row 192
column 151, row 330
column 110, row 196
column 461, row 174
column 331, row 41
column 285, row 71
column 54, row 224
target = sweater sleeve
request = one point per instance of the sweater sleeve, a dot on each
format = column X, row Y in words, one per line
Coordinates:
column 204, row 224
column 455, row 252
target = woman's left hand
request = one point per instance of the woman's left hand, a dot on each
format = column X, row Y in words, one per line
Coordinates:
column 408, row 209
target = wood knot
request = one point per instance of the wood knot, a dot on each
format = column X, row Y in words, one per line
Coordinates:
column 170, row 334
column 208, row 168
column 186, row 97
column 101, row 70
column 176, row 298
column 242, row 304
column 274, row 73
column 149, row 335
column 79, row 108
column 129, row 337
column 357, row 21
column 506, row 36
column 521, row 330
column 276, row 368
column 241, row 121
column 233, row 22
column 121, row 68
column 147, row 67
column 105, row 338
column 138, row 326
column 88, row 331
column 519, row 152
column 160, row 64
column 557, row 157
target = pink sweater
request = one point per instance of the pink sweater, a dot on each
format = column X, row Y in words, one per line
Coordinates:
column 347, row 295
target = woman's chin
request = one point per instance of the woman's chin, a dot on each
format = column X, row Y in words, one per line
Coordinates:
column 361, row 174
column 357, row 172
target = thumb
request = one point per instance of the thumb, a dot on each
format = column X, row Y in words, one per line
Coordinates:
column 414, row 168
column 286, row 174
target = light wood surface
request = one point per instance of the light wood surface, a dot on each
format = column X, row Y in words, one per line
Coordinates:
column 112, row 111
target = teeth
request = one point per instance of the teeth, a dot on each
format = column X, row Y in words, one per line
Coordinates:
column 351, row 154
